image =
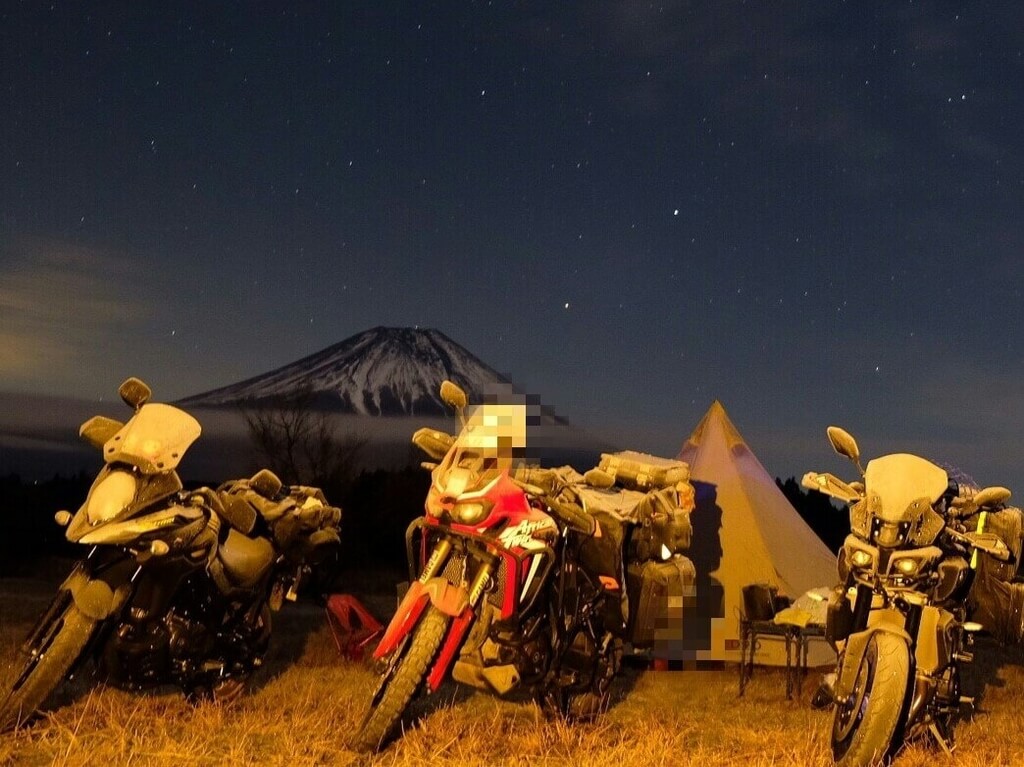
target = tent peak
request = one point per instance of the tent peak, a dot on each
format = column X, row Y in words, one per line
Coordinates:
column 715, row 417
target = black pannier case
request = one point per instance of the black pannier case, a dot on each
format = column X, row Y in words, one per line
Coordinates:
column 661, row 595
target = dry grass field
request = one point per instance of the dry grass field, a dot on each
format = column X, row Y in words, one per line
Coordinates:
column 307, row 700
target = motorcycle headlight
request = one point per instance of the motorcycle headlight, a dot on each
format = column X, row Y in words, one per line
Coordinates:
column 471, row 512
column 860, row 558
column 110, row 497
column 906, row 566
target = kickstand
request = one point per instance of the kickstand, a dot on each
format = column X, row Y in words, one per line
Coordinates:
column 943, row 743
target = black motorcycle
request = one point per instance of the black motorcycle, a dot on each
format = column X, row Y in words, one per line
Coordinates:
column 177, row 586
column 899, row 615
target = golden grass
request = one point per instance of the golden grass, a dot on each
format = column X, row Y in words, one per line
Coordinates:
column 307, row 702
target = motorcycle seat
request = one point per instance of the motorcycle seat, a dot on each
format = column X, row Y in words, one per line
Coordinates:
column 245, row 559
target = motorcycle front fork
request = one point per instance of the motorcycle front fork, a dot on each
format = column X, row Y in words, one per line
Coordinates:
column 438, row 559
column 936, row 700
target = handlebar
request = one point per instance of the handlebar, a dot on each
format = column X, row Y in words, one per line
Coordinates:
column 989, row 543
column 567, row 512
column 832, row 486
column 573, row 515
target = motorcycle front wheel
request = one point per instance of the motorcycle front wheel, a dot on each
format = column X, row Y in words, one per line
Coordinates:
column 55, row 647
column 864, row 726
column 405, row 673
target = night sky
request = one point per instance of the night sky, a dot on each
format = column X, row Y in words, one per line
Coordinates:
column 809, row 210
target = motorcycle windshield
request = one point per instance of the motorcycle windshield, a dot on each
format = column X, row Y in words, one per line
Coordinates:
column 154, row 440
column 483, row 449
column 901, row 487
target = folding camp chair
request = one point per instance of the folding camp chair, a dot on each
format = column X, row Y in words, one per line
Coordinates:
column 760, row 604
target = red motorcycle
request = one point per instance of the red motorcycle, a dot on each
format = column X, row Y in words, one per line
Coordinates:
column 514, row 592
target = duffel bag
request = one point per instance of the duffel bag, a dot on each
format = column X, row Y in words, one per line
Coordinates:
column 640, row 471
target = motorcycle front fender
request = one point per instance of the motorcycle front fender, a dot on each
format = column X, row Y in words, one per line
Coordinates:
column 100, row 596
column 449, row 599
column 888, row 621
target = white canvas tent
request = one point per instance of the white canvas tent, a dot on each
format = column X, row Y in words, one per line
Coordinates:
column 745, row 531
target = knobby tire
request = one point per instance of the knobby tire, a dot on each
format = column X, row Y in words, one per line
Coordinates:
column 41, row 675
column 389, row 704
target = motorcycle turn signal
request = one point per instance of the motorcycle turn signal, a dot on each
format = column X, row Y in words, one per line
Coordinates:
column 158, row 548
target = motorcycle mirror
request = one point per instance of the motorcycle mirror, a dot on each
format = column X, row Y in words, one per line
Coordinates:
column 844, row 444
column 98, row 429
column 266, row 483
column 135, row 392
column 991, row 496
column 453, row 395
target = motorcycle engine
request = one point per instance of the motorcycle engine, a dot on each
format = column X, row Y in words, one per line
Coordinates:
column 492, row 644
column 190, row 641
column 136, row 656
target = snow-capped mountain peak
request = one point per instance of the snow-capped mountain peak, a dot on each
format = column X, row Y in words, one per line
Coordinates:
column 381, row 371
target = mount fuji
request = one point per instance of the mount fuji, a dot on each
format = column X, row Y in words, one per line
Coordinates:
column 379, row 372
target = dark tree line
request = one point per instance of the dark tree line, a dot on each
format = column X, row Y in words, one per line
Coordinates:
column 830, row 521
column 26, row 518
column 299, row 443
